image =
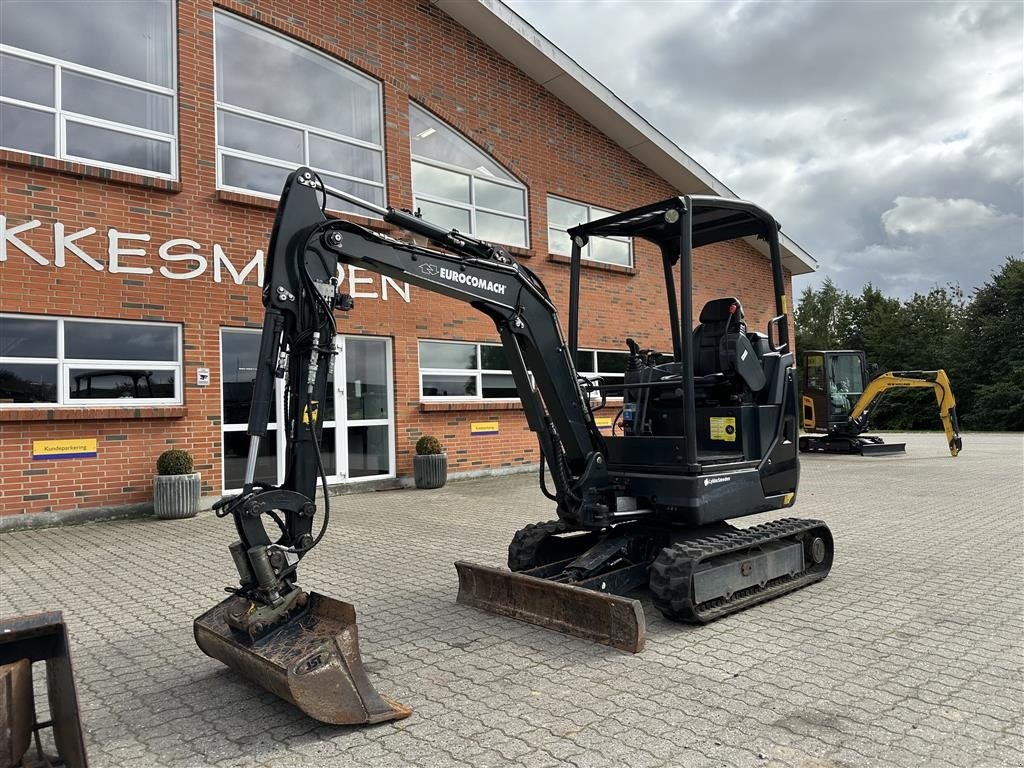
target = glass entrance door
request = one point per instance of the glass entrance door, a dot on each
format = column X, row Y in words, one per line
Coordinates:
column 366, row 399
column 358, row 430
column 359, row 437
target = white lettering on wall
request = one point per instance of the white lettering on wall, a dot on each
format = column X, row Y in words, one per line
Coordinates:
column 115, row 252
column 177, row 252
column 10, row 236
column 219, row 259
column 62, row 243
column 402, row 289
column 198, row 258
column 354, row 281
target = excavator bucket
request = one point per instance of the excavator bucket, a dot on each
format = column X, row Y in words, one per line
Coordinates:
column 588, row 613
column 312, row 661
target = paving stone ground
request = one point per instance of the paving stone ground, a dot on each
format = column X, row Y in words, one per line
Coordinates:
column 909, row 654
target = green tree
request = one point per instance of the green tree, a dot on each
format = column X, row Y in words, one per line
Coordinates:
column 978, row 341
column 990, row 365
column 820, row 317
column 869, row 314
column 921, row 333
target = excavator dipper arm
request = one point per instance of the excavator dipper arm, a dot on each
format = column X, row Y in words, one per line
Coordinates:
column 300, row 645
column 936, row 380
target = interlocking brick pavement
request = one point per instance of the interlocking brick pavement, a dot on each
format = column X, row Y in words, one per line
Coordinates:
column 910, row 653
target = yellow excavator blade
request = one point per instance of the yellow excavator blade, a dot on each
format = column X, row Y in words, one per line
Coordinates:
column 312, row 661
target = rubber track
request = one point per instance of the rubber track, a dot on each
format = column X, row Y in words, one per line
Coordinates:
column 672, row 571
column 522, row 551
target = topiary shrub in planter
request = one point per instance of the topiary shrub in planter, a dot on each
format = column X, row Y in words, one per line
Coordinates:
column 430, row 464
column 176, row 488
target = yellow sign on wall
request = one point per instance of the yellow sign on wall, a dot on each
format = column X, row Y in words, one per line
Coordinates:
column 68, row 448
column 484, row 428
column 603, row 422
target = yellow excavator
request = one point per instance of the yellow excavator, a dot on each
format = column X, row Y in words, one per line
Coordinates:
column 838, row 397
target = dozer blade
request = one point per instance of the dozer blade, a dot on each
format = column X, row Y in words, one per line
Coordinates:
column 604, row 618
column 312, row 661
column 879, row 449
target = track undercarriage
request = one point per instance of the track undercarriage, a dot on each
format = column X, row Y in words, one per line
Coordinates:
column 578, row 582
column 864, row 445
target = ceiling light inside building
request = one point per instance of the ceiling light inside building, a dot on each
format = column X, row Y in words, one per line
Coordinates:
column 424, row 134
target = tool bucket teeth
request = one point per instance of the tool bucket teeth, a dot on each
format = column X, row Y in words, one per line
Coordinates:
column 312, row 660
column 587, row 613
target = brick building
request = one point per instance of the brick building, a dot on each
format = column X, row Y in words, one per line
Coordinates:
column 141, row 150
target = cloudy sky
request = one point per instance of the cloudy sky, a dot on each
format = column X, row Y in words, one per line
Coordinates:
column 887, row 137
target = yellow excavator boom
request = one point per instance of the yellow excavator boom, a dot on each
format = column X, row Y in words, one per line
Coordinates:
column 937, row 380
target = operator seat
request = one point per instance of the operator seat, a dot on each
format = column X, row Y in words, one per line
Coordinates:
column 723, row 357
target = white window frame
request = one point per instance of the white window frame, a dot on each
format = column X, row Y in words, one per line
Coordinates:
column 275, row 434
column 585, row 255
column 65, row 364
column 473, row 175
column 478, row 372
column 63, row 116
column 276, row 427
column 306, row 130
column 347, row 423
column 600, row 374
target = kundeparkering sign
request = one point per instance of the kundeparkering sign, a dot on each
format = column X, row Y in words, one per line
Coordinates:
column 180, row 259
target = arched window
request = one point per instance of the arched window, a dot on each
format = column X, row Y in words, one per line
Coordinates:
column 458, row 186
column 281, row 104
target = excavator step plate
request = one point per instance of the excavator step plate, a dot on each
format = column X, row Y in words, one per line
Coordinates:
column 604, row 618
column 312, row 660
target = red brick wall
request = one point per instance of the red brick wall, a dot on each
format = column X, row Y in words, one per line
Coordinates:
column 418, row 54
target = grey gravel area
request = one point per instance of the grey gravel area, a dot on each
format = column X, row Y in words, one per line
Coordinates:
column 910, row 653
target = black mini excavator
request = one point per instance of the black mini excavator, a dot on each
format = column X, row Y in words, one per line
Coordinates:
column 707, row 433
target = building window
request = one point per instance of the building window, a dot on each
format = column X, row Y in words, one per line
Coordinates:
column 240, row 350
column 91, row 82
column 563, row 214
column 610, row 367
column 280, row 104
column 457, row 186
column 64, row 361
column 358, row 427
column 453, row 369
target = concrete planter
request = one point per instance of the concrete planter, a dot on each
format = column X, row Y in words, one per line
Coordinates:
column 431, row 470
column 176, row 496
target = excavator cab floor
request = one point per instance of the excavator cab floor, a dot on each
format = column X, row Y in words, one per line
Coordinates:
column 312, row 661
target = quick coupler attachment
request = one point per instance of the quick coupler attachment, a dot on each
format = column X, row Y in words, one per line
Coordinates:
column 311, row 659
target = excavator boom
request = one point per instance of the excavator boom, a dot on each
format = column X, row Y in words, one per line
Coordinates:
column 936, row 380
